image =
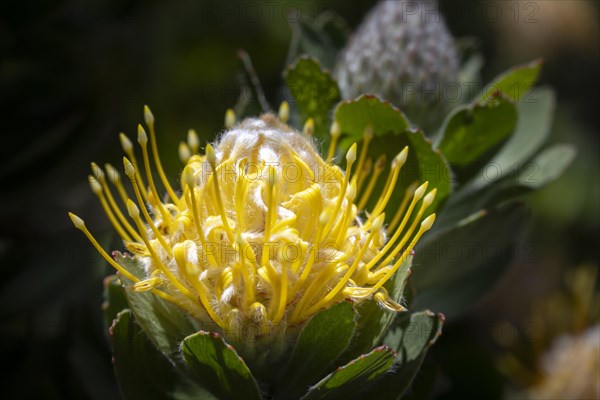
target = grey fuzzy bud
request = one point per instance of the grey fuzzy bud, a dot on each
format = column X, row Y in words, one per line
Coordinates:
column 404, row 53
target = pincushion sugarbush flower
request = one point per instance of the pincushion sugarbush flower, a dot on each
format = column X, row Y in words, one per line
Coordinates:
column 263, row 238
column 274, row 270
column 264, row 232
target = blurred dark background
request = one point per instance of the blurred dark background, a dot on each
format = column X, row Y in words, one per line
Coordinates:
column 75, row 73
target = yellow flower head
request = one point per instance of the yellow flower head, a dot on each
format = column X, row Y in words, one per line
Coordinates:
column 264, row 232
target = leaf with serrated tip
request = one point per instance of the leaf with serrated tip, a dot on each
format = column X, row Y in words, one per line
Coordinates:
column 315, row 92
column 515, row 82
column 391, row 134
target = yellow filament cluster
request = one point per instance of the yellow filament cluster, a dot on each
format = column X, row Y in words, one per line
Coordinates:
column 248, row 243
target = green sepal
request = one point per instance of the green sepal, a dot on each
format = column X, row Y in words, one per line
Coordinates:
column 412, row 336
column 513, row 83
column 353, row 379
column 315, row 92
column 217, row 366
column 320, row 343
column 165, row 323
column 458, row 267
column 142, row 371
column 391, row 135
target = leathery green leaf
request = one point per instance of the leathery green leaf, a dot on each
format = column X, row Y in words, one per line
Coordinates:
column 142, row 371
column 533, row 127
column 373, row 321
column 218, row 367
column 391, row 134
column 351, row 380
column 412, row 336
column 547, row 166
column 473, row 130
column 165, row 323
column 320, row 343
column 515, row 82
column 462, row 264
